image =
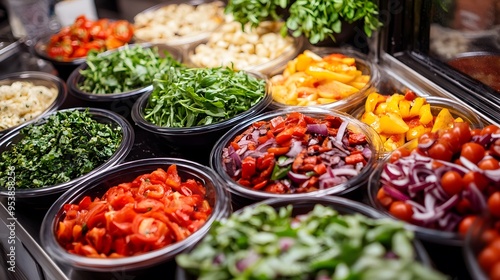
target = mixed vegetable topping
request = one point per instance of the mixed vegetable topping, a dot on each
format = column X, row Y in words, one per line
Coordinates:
column 310, row 79
column 264, row 243
column 187, row 97
column 124, row 70
column 296, row 154
column 83, row 35
column 401, row 118
column 450, row 178
column 67, row 145
column 486, row 240
column 151, row 212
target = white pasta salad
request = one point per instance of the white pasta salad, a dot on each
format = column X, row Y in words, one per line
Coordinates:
column 243, row 49
column 176, row 21
column 23, row 101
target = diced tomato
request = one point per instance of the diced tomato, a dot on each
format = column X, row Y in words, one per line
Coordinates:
column 354, row 158
column 248, row 167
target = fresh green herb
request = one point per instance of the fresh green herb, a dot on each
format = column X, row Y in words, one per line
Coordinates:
column 315, row 19
column 262, row 243
column 187, row 97
column 279, row 171
column 124, row 70
column 68, row 145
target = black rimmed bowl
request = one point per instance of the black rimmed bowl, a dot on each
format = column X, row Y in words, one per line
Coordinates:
column 129, row 97
column 350, row 182
column 97, row 184
column 201, row 137
column 36, row 79
column 346, row 104
column 43, row 196
column 179, row 40
column 303, row 206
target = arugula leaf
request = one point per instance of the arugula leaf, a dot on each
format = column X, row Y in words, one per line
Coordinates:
column 186, row 97
column 124, row 70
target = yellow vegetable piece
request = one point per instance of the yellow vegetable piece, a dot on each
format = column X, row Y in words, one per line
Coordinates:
column 425, row 114
column 381, row 109
column 313, row 55
column 404, row 108
column 393, row 103
column 372, row 120
column 372, row 100
column 443, row 120
column 391, row 123
column 303, row 61
column 322, row 100
column 459, row 119
column 415, row 132
column 394, row 142
column 415, row 108
column 323, row 74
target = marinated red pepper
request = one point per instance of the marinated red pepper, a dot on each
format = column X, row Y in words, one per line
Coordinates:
column 296, row 154
column 83, row 35
column 132, row 218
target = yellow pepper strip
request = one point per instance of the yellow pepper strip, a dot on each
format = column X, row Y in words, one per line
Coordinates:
column 324, row 74
column 391, row 123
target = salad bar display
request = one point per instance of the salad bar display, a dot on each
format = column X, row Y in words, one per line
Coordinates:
column 192, row 151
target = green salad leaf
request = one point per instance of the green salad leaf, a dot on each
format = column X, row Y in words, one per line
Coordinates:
column 187, row 97
column 262, row 243
column 124, row 70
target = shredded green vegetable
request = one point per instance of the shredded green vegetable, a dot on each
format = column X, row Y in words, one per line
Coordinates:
column 68, row 145
column 124, row 70
column 188, row 97
column 262, row 243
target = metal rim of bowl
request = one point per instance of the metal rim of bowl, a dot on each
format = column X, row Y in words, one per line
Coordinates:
column 138, row 116
column 118, row 156
column 221, row 209
column 62, row 93
column 342, row 189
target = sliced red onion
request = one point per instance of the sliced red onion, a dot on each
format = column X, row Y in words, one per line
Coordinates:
column 455, row 167
column 394, row 193
column 417, row 207
column 476, row 198
column 330, row 182
column 438, row 193
column 449, row 204
column 341, row 132
column 429, row 202
column 495, row 135
column 482, row 140
column 295, row 149
column 318, row 128
column 313, row 141
column 414, row 189
column 425, row 146
column 297, row 178
column 242, row 150
column 493, row 175
column 345, row 171
column 255, row 135
column 367, row 153
column 469, row 164
column 236, row 159
column 266, row 145
column 453, row 222
column 286, row 162
column 394, row 171
column 427, row 217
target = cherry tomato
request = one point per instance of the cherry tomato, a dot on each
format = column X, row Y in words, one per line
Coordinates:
column 490, row 129
column 399, row 153
column 384, row 198
column 452, row 182
column 494, row 204
column 495, row 271
column 489, row 164
column 462, row 131
column 463, row 206
column 487, row 258
column 489, row 236
column 472, row 151
column 451, row 141
column 401, row 210
column 440, row 151
column 476, row 131
column 477, row 178
column 466, row 223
